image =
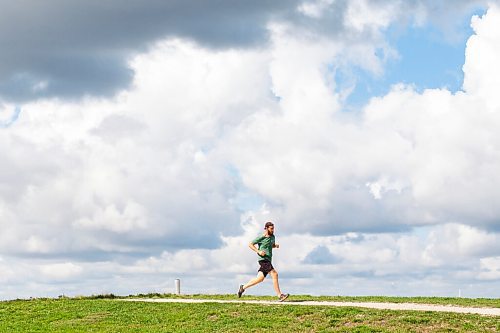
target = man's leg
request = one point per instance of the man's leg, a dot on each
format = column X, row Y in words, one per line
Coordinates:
column 276, row 283
column 260, row 277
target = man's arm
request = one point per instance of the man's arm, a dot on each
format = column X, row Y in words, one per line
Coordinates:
column 256, row 250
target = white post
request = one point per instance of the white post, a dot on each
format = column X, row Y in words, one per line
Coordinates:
column 459, row 292
column 177, row 286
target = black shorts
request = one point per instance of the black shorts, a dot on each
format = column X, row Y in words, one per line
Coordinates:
column 265, row 267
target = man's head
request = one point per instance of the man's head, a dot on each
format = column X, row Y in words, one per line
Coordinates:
column 269, row 227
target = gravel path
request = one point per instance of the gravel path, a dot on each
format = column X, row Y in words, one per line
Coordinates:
column 385, row 306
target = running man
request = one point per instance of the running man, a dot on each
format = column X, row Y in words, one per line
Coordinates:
column 265, row 244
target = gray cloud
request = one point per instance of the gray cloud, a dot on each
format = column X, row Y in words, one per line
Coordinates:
column 321, row 255
column 69, row 49
column 73, row 48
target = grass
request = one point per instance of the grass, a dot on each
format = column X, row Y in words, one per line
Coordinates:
column 100, row 314
column 466, row 302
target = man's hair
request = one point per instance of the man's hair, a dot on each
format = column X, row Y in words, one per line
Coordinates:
column 268, row 224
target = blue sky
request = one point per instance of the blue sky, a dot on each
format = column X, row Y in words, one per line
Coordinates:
column 428, row 58
column 151, row 141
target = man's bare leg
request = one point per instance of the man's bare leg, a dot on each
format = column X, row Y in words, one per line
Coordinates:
column 276, row 284
column 260, row 277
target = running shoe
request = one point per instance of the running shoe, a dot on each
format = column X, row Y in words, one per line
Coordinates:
column 241, row 291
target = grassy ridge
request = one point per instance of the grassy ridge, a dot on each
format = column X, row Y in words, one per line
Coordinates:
column 467, row 302
column 111, row 315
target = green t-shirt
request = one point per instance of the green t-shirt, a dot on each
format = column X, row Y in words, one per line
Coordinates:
column 265, row 244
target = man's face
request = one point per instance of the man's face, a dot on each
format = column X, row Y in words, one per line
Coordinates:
column 270, row 230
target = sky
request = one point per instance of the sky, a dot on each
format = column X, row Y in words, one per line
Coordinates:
column 149, row 141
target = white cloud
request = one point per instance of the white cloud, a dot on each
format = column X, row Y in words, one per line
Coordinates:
column 143, row 164
column 435, row 153
column 364, row 14
column 5, row 112
column 481, row 76
column 133, row 217
column 314, row 9
column 60, row 271
column 490, row 268
column 36, row 244
column 381, row 186
column 147, row 184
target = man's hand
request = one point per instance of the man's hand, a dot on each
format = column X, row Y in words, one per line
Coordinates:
column 262, row 253
column 277, row 246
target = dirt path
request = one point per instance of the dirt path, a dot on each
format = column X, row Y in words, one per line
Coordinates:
column 386, row 306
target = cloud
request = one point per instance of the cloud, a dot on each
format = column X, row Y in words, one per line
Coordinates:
column 490, row 268
column 151, row 181
column 480, row 77
column 71, row 50
column 409, row 159
column 61, row 271
column 138, row 174
column 7, row 119
column 132, row 218
column 156, row 161
column 445, row 17
column 321, row 255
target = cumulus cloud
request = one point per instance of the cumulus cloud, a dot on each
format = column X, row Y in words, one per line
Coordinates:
column 71, row 50
column 60, row 271
column 410, row 158
column 150, row 182
column 321, row 255
column 139, row 173
column 490, row 268
column 480, row 78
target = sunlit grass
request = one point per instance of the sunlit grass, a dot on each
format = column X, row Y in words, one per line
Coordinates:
column 112, row 315
column 469, row 302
